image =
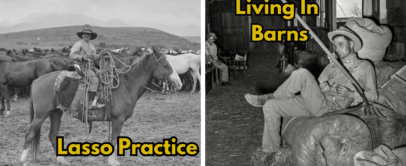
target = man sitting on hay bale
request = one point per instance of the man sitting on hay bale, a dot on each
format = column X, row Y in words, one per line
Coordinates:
column 335, row 91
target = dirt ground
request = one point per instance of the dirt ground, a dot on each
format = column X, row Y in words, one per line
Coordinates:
column 233, row 127
column 157, row 117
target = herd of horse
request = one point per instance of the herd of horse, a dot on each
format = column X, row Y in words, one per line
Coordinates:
column 38, row 70
column 20, row 70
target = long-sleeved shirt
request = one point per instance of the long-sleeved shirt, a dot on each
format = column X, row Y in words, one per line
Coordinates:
column 83, row 49
column 362, row 71
column 211, row 52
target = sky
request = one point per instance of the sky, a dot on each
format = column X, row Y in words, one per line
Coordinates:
column 165, row 12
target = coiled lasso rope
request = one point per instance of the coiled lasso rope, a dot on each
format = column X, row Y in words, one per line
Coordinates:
column 109, row 73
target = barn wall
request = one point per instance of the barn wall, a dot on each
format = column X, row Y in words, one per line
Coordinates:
column 396, row 11
column 234, row 31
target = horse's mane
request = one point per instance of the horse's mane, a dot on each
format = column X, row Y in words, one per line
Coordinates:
column 131, row 60
column 137, row 60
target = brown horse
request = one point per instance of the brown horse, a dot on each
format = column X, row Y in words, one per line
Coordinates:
column 59, row 61
column 21, row 74
column 131, row 87
column 5, row 99
column 5, row 90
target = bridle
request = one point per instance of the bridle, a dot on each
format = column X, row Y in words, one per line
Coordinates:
column 130, row 66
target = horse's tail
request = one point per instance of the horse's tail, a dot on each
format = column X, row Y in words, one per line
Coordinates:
column 36, row 141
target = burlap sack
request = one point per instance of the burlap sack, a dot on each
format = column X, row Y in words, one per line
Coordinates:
column 375, row 39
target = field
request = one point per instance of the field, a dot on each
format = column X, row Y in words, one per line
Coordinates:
column 113, row 37
column 157, row 117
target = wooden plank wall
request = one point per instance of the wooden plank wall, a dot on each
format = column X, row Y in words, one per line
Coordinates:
column 268, row 22
column 234, row 31
column 312, row 45
column 396, row 12
column 321, row 32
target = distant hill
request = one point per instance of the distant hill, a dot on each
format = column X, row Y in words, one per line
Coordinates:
column 195, row 39
column 50, row 20
column 113, row 36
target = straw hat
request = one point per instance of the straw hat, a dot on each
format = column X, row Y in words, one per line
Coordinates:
column 349, row 33
column 89, row 30
column 212, row 36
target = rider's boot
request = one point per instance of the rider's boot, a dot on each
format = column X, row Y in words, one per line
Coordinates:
column 93, row 98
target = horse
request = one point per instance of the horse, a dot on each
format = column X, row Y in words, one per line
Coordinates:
column 18, row 57
column 59, row 61
column 22, row 74
column 5, row 97
column 184, row 63
column 131, row 87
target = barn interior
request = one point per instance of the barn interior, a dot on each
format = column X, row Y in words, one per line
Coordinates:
column 234, row 128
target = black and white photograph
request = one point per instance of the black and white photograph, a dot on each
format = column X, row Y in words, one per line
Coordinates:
column 337, row 98
column 100, row 82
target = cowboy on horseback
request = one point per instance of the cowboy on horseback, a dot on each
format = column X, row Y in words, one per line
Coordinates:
column 84, row 52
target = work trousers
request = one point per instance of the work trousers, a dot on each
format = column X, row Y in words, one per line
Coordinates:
column 93, row 79
column 224, row 71
column 310, row 102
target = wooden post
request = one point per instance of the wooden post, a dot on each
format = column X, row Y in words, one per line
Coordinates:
column 333, row 18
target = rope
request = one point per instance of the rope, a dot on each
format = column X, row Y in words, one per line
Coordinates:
column 109, row 73
column 85, row 114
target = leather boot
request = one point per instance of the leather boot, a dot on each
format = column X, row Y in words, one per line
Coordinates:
column 93, row 100
column 258, row 100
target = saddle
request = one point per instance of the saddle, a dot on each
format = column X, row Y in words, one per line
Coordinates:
column 71, row 93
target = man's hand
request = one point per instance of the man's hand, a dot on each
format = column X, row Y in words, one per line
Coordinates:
column 344, row 91
column 218, row 61
column 325, row 87
column 86, row 59
column 103, row 51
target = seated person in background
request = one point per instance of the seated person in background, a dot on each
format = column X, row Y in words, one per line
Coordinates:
column 211, row 56
column 335, row 91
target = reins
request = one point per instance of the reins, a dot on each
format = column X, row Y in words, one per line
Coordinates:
column 109, row 73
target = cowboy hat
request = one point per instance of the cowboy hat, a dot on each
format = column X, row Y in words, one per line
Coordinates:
column 212, row 36
column 350, row 34
column 89, row 30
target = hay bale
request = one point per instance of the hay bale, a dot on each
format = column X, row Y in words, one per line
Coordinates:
column 260, row 158
column 283, row 157
column 384, row 71
column 389, row 130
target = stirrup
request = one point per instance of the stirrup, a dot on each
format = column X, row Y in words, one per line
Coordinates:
column 78, row 70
